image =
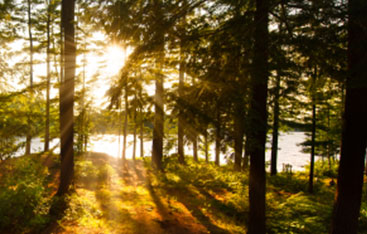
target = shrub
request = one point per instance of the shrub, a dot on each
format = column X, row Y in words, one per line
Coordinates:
column 24, row 201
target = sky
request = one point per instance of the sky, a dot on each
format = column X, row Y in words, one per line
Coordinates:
column 106, row 61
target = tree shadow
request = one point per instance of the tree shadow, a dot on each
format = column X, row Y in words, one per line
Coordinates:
column 226, row 209
column 169, row 222
column 190, row 201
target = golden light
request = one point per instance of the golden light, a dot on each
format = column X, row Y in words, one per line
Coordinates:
column 115, row 57
column 107, row 65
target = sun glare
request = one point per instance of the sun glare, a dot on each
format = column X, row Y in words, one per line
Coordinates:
column 107, row 65
column 115, row 57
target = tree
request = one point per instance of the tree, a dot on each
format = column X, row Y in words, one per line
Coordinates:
column 181, row 124
column 354, row 136
column 67, row 98
column 258, row 120
column 31, row 51
column 50, row 7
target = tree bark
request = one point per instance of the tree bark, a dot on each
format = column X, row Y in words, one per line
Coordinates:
column 158, row 130
column 181, row 152
column 141, row 135
column 217, row 138
column 238, row 142
column 48, row 77
column 67, row 98
column 29, row 128
column 258, row 119
column 246, row 157
column 206, row 145
column 195, row 147
column 312, row 159
column 158, row 125
column 354, row 136
column 274, row 146
column 134, row 142
column 313, row 133
column 125, row 124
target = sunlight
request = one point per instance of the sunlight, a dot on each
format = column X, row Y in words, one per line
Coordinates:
column 115, row 59
column 106, row 66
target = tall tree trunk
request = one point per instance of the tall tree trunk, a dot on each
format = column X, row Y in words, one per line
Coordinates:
column 354, row 136
column 29, row 128
column 313, row 133
column 158, row 130
column 48, row 77
column 217, row 138
column 181, row 125
column 67, row 98
column 134, row 141
column 258, row 119
column 120, row 130
column 238, row 141
column 158, row 124
column 125, row 124
column 83, row 124
column 246, row 157
column 274, row 146
column 195, row 147
column 206, row 145
column 141, row 134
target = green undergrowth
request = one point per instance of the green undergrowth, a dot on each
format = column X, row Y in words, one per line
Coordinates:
column 24, row 197
column 224, row 193
column 109, row 198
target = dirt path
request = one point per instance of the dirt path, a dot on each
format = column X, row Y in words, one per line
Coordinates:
column 123, row 197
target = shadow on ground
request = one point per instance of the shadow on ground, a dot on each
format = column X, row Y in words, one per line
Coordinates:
column 116, row 196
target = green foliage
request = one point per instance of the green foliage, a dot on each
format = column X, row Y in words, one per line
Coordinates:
column 222, row 190
column 85, row 170
column 224, row 193
column 80, row 209
column 289, row 183
column 24, row 199
column 325, row 168
column 298, row 213
column 362, row 224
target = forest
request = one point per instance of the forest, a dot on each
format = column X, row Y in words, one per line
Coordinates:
column 193, row 94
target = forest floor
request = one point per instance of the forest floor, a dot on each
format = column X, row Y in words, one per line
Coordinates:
column 115, row 196
column 127, row 197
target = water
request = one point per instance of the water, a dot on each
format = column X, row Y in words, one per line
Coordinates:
column 289, row 151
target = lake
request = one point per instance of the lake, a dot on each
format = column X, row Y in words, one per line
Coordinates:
column 289, row 151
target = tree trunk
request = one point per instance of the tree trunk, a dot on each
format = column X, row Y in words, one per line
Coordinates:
column 67, row 99
column 158, row 124
column 141, row 135
column 217, row 139
column 48, row 77
column 206, row 145
column 181, row 152
column 313, row 132
column 120, row 129
column 258, row 119
column 28, row 142
column 354, row 136
column 238, row 142
column 158, row 130
column 195, row 147
column 29, row 128
column 246, row 157
column 125, row 124
column 274, row 146
column 134, row 142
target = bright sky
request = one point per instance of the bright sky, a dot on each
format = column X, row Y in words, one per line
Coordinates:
column 105, row 63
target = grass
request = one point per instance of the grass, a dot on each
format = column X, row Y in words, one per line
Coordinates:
column 112, row 196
